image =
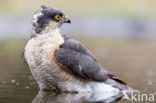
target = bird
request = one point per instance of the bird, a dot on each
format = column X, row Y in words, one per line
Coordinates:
column 58, row 62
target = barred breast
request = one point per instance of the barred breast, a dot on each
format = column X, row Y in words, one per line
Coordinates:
column 39, row 54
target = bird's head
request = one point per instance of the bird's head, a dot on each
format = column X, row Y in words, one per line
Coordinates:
column 47, row 18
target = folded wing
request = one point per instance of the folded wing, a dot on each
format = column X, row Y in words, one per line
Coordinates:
column 74, row 57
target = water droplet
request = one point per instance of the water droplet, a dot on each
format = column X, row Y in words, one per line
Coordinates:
column 13, row 81
column 27, row 87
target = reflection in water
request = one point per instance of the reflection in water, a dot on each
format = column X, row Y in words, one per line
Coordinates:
column 50, row 97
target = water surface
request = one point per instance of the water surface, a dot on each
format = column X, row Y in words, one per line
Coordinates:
column 133, row 61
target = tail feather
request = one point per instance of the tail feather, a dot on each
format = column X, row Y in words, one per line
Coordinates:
column 117, row 83
column 116, row 79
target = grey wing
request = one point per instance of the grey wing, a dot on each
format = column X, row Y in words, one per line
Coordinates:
column 75, row 57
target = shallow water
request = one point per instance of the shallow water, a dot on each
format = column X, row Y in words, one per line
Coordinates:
column 132, row 61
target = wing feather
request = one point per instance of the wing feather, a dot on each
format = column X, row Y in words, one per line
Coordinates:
column 75, row 57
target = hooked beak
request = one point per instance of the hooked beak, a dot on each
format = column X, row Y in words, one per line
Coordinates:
column 67, row 20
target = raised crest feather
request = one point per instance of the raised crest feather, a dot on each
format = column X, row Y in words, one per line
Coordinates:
column 43, row 7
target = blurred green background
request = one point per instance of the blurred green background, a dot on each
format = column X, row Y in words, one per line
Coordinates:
column 85, row 7
column 120, row 33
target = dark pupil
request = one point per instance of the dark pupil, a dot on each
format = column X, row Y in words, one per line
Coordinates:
column 57, row 17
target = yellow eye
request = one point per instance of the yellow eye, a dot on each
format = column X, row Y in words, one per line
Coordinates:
column 57, row 17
